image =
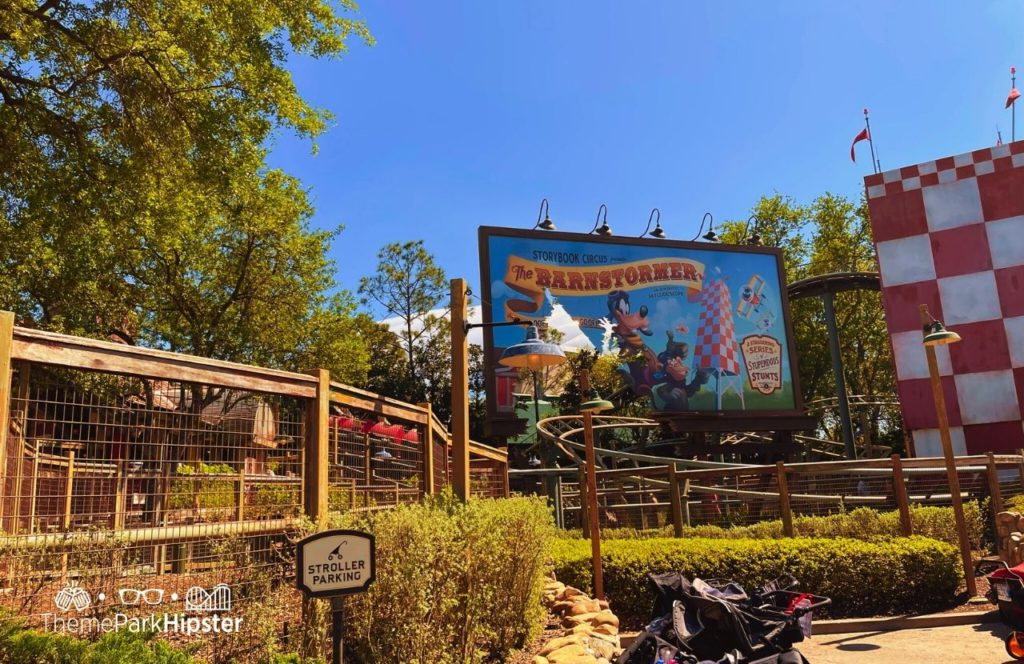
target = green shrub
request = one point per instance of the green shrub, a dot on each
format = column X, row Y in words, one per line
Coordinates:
column 25, row 646
column 455, row 583
column 913, row 574
column 203, row 493
column 861, row 523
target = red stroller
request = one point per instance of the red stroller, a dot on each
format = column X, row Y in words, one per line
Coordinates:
column 1006, row 590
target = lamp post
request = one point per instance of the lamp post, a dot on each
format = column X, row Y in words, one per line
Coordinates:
column 711, row 235
column 594, row 404
column 935, row 334
column 603, row 229
column 657, row 232
column 531, row 353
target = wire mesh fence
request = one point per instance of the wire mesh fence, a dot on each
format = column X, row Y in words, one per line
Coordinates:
column 135, row 480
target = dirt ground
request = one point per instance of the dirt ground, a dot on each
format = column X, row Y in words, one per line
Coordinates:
column 961, row 644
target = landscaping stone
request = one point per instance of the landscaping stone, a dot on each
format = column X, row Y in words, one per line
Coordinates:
column 590, row 629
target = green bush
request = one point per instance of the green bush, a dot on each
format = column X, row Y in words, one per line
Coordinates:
column 913, row 574
column 203, row 493
column 25, row 646
column 862, row 523
column 455, row 583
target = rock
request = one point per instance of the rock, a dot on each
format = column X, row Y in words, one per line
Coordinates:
column 605, row 618
column 570, row 592
column 584, row 606
column 601, row 648
column 583, row 628
column 561, row 642
column 568, row 653
column 610, row 638
column 562, row 607
column 572, row 621
column 606, row 628
column 537, row 659
column 603, row 603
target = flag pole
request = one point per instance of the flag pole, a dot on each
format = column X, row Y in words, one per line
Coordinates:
column 875, row 166
column 1013, row 106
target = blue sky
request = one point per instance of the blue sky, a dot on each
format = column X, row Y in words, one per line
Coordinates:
column 467, row 113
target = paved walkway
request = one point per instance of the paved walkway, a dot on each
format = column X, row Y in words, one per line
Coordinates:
column 960, row 644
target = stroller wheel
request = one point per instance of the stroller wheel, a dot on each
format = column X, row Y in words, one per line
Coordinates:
column 1015, row 645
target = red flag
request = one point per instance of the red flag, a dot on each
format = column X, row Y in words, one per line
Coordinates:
column 862, row 136
column 1012, row 97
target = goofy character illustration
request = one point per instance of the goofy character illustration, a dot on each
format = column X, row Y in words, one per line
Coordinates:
column 640, row 362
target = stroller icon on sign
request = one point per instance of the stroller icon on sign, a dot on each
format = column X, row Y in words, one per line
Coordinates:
column 336, row 553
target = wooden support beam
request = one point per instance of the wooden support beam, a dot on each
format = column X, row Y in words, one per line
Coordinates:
column 676, row 500
column 315, row 473
column 784, row 506
column 994, row 490
column 6, row 347
column 428, row 452
column 240, row 495
column 899, row 488
column 460, row 390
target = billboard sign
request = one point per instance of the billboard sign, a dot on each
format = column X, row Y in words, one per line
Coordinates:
column 697, row 327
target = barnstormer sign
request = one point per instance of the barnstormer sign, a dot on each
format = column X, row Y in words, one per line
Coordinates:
column 335, row 562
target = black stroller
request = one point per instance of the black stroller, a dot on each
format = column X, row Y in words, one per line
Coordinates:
column 717, row 621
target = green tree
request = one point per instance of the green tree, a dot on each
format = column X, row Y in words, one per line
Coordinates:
column 134, row 194
column 831, row 234
column 408, row 284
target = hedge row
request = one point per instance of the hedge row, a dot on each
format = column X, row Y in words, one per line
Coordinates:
column 455, row 582
column 906, row 575
column 862, row 523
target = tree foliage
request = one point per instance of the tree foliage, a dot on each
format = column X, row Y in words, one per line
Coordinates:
column 409, row 285
column 134, row 195
column 831, row 234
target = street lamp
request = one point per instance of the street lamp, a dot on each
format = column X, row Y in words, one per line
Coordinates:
column 753, row 240
column 593, row 404
column 710, row 236
column 604, row 229
column 547, row 224
column 534, row 354
column 935, row 334
column 657, row 232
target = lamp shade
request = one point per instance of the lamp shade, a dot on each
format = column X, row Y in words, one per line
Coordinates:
column 532, row 353
column 938, row 335
column 595, row 404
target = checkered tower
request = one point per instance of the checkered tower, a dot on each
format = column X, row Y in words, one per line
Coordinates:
column 950, row 234
column 716, row 346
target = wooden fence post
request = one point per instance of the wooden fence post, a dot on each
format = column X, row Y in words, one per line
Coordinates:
column 676, row 500
column 899, row 488
column 318, row 412
column 460, row 390
column 428, row 451
column 584, row 508
column 643, row 503
column 6, row 343
column 1020, row 467
column 504, row 477
column 994, row 490
column 367, row 462
column 119, row 496
column 684, row 496
column 784, row 506
column 240, row 495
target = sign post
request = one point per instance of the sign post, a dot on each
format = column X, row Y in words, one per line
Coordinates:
column 333, row 564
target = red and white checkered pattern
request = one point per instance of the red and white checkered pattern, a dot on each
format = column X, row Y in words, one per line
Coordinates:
column 716, row 335
column 950, row 234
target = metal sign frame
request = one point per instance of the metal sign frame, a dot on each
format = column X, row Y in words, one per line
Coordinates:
column 300, row 563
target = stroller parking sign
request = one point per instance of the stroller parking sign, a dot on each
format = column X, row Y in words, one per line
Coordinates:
column 336, row 562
